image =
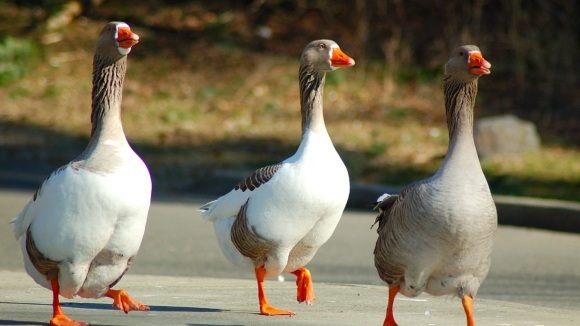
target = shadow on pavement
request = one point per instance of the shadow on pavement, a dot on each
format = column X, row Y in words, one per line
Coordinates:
column 17, row 322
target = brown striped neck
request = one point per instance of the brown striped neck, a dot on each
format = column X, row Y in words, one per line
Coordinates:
column 459, row 104
column 311, row 91
column 108, row 77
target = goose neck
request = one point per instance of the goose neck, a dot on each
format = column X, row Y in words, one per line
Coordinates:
column 108, row 78
column 459, row 104
column 311, row 91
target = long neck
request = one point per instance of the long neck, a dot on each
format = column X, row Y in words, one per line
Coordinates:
column 459, row 104
column 108, row 77
column 311, row 89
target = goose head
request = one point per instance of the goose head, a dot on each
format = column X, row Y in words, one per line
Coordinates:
column 325, row 55
column 467, row 64
column 116, row 40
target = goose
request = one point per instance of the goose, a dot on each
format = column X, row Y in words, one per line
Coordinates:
column 83, row 227
column 436, row 236
column 276, row 218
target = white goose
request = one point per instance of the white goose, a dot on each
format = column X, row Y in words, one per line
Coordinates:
column 275, row 220
column 83, row 227
column 436, row 236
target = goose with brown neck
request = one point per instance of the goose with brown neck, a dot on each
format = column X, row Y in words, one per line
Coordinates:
column 275, row 220
column 83, row 227
column 436, row 236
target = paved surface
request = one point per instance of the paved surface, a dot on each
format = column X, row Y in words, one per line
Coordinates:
column 181, row 273
column 208, row 301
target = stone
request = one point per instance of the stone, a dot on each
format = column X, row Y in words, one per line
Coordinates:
column 505, row 135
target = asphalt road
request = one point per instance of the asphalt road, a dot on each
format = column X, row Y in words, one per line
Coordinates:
column 532, row 267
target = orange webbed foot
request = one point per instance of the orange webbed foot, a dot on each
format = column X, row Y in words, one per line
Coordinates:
column 122, row 301
column 265, row 308
column 58, row 317
column 64, row 320
column 268, row 310
column 305, row 289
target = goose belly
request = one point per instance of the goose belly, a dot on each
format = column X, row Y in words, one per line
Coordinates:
column 300, row 216
column 450, row 249
column 93, row 224
column 462, row 273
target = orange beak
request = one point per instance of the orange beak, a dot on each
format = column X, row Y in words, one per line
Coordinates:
column 126, row 38
column 339, row 59
column 478, row 65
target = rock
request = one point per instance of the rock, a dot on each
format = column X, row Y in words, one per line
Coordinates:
column 505, row 135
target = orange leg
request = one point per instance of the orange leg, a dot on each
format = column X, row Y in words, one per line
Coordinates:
column 467, row 302
column 122, row 301
column 390, row 319
column 58, row 317
column 304, row 284
column 265, row 308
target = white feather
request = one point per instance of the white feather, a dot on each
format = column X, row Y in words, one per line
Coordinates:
column 299, row 207
column 78, row 213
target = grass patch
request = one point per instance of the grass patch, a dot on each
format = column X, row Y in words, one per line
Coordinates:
column 553, row 172
column 17, row 57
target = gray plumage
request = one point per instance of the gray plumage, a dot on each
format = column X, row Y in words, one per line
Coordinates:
column 436, row 236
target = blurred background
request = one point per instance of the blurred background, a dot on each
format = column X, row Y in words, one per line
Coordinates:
column 212, row 88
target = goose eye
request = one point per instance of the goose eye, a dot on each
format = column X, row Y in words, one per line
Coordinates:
column 461, row 53
column 322, row 46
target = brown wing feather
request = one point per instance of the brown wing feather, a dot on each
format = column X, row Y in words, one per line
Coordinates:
column 258, row 177
column 43, row 265
column 384, row 207
column 247, row 241
column 389, row 271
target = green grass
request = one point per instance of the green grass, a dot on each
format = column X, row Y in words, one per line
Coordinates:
column 17, row 57
column 554, row 172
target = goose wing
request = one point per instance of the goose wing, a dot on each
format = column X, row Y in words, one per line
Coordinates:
column 229, row 204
